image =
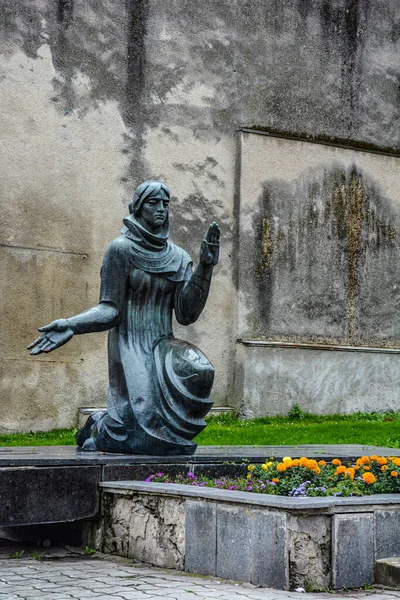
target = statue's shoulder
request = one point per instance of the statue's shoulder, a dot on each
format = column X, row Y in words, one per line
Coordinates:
column 120, row 244
column 181, row 252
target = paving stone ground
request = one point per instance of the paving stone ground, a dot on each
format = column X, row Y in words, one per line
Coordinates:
column 81, row 577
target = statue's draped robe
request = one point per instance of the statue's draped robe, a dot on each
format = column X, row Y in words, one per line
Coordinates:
column 159, row 386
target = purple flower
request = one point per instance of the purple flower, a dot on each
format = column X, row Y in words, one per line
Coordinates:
column 249, row 488
column 159, row 474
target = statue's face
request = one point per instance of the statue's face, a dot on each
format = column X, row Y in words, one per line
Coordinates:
column 154, row 212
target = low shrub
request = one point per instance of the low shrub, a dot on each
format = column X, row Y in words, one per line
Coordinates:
column 304, row 477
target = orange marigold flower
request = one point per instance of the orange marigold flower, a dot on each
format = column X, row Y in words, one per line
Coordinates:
column 287, row 461
column 322, row 463
column 275, row 480
column 356, row 467
column 369, row 478
column 336, row 461
column 382, row 461
column 366, row 468
column 296, row 462
column 311, row 464
column 394, row 473
column 373, row 457
column 384, row 468
column 281, row 467
column 362, row 460
column 396, row 461
column 349, row 473
column 303, row 461
column 340, row 469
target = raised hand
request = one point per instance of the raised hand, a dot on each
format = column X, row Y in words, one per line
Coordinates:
column 54, row 335
column 209, row 251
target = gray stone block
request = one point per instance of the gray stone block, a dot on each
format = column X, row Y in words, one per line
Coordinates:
column 269, row 554
column 201, row 537
column 352, row 550
column 233, row 543
column 30, row 496
column 387, row 533
column 387, row 571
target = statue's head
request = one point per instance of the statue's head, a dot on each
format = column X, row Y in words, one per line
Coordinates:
column 150, row 205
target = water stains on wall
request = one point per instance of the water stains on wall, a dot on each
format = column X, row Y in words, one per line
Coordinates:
column 326, row 260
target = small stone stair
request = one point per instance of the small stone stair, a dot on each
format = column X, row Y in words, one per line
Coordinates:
column 387, row 571
column 84, row 413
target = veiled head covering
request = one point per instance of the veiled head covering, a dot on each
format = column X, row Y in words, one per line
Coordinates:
column 145, row 190
column 153, row 252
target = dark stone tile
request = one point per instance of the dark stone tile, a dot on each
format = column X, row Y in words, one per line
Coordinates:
column 220, row 470
column 45, row 495
column 233, row 543
column 269, row 553
column 201, row 537
column 352, row 550
column 140, row 472
column 387, row 533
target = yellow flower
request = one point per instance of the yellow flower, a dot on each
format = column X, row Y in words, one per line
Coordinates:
column 287, row 461
column 249, row 476
column 275, row 480
column 369, row 478
column 322, row 463
column 336, row 461
column 281, row 467
column 269, row 464
column 384, row 468
column 303, row 461
column 394, row 473
column 251, row 467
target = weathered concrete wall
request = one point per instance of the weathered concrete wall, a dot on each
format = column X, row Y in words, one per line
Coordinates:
column 269, row 541
column 319, row 261
column 98, row 95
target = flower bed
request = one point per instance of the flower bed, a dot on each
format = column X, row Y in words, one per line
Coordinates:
column 304, row 477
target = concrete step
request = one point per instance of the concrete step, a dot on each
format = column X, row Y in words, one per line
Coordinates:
column 387, row 571
column 85, row 412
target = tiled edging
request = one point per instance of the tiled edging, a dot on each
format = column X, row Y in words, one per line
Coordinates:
column 271, row 541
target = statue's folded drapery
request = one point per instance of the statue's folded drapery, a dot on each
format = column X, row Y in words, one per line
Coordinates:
column 159, row 386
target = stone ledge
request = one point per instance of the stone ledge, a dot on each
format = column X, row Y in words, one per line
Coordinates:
column 333, row 504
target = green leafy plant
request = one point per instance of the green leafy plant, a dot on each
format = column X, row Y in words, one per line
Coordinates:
column 37, row 555
column 18, row 554
column 296, row 412
column 89, row 551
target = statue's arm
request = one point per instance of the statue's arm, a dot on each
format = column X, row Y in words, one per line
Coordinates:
column 101, row 317
column 191, row 296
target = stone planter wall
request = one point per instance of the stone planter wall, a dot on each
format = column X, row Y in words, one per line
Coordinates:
column 269, row 541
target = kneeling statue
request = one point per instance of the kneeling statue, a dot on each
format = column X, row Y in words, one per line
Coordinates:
column 159, row 386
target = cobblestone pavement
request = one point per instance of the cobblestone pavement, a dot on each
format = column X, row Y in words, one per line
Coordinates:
column 81, row 577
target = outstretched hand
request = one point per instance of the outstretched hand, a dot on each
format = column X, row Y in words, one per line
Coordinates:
column 54, row 335
column 209, row 251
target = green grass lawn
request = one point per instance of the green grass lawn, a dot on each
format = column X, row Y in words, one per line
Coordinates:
column 367, row 429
